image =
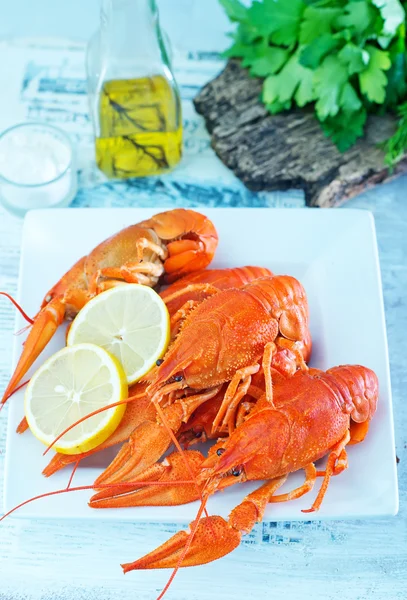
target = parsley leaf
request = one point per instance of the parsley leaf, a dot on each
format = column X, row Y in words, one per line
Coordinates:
column 269, row 61
column 345, row 128
column 279, row 20
column 293, row 82
column 238, row 50
column 277, row 107
column 349, row 100
column 358, row 16
column 313, row 54
column 245, row 40
column 373, row 79
column 329, row 80
column 354, row 58
column 316, row 22
column 234, row 10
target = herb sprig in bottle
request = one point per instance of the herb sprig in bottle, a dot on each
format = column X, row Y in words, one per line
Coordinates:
column 134, row 99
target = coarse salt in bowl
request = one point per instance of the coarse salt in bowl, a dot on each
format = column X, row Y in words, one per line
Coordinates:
column 36, row 168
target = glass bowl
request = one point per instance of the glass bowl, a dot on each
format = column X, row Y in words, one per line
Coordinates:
column 37, row 168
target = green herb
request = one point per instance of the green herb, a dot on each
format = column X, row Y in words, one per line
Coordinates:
column 346, row 57
column 397, row 144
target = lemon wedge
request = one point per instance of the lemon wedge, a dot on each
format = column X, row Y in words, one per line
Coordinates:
column 131, row 322
column 75, row 382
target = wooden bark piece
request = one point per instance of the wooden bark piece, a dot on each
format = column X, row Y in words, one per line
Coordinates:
column 288, row 150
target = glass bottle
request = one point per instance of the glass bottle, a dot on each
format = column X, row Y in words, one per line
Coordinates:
column 134, row 99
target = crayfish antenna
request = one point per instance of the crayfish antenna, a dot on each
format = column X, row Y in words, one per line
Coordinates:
column 81, row 488
column 88, row 416
column 18, row 307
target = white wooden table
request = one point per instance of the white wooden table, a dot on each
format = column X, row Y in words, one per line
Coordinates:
column 352, row 560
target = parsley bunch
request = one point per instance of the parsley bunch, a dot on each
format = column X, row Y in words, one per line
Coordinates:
column 346, row 57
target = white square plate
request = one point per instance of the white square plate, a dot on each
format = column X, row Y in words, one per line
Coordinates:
column 333, row 253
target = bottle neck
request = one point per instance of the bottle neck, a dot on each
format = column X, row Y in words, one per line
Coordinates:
column 130, row 25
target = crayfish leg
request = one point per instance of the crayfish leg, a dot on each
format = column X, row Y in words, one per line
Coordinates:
column 269, row 350
column 329, row 471
column 145, row 273
column 294, row 348
column 310, row 478
column 340, row 466
column 241, row 375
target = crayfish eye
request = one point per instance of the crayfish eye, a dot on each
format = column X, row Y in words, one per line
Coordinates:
column 237, row 471
column 220, row 451
column 159, row 362
column 178, row 378
column 198, row 434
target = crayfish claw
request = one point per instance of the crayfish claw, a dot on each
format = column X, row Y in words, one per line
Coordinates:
column 164, row 484
column 213, row 539
column 45, row 325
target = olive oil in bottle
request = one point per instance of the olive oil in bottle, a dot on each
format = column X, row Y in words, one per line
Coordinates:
column 139, row 130
column 134, row 100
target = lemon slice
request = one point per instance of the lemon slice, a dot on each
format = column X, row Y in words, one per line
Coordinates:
column 131, row 322
column 73, row 383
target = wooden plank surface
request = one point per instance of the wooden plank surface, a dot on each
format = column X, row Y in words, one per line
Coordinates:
column 352, row 560
column 274, row 152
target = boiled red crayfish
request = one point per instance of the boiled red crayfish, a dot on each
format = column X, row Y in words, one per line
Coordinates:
column 195, row 287
column 172, row 243
column 229, row 335
column 190, row 289
column 197, row 365
column 313, row 414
